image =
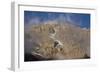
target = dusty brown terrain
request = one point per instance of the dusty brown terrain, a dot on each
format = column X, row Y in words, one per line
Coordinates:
column 54, row 41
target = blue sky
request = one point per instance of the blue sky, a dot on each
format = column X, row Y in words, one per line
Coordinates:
column 36, row 17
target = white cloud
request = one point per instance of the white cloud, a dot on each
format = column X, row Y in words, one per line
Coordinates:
column 34, row 21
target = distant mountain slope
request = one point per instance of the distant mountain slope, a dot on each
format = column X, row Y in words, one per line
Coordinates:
column 57, row 41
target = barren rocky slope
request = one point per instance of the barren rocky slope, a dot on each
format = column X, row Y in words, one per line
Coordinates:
column 56, row 41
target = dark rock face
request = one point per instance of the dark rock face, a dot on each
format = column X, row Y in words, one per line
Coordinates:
column 55, row 43
column 30, row 57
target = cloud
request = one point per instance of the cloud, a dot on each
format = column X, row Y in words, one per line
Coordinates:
column 34, row 21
